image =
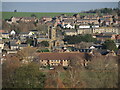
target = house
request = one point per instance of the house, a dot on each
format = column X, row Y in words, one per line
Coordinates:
column 85, row 50
column 15, row 19
column 84, row 26
column 11, row 51
column 42, row 39
column 116, row 38
column 118, row 52
column 68, row 18
column 105, row 29
column 92, row 47
column 107, row 52
column 95, row 26
column 24, row 34
column 88, row 26
column 118, row 20
column 103, row 37
column 5, row 35
column 2, row 31
column 69, row 26
column 117, row 42
column 91, row 17
column 76, row 15
column 47, row 18
column 12, row 32
column 22, row 46
column 50, row 23
column 57, row 20
column 34, row 33
column 70, row 32
column 1, row 45
column 18, row 42
column 86, row 21
column 28, row 19
column 96, row 47
column 59, row 43
column 23, row 19
column 109, row 19
column 56, row 59
column 95, row 21
column 57, row 49
column 13, row 45
column 84, row 31
column 31, row 33
column 68, row 21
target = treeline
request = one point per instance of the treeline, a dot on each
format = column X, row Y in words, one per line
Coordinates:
column 79, row 38
column 104, row 11
column 100, row 72
column 108, row 44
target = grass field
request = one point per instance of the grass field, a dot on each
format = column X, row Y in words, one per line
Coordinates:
column 7, row 15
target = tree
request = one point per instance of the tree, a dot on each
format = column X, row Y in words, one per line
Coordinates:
column 103, row 72
column 27, row 76
column 73, row 79
column 44, row 43
column 79, row 38
column 5, row 25
column 109, row 44
column 27, row 54
column 114, row 19
column 15, row 10
column 103, row 23
column 8, row 67
column 82, row 45
column 30, row 41
column 99, row 21
column 33, row 15
column 43, row 28
column 25, row 27
column 54, row 78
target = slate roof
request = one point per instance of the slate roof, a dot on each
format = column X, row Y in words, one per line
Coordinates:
column 23, row 45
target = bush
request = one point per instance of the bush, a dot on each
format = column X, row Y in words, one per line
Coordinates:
column 109, row 44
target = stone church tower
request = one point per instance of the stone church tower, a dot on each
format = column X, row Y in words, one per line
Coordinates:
column 52, row 33
column 51, row 36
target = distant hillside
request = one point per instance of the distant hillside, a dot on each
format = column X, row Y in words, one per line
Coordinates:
column 7, row 15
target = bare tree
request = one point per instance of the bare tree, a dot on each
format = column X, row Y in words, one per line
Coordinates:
column 27, row 53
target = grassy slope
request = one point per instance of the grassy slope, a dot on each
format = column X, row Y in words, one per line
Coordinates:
column 7, row 15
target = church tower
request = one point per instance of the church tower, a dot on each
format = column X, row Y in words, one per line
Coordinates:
column 51, row 36
column 52, row 33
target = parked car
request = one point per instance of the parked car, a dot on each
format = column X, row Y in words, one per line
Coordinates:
column 52, row 68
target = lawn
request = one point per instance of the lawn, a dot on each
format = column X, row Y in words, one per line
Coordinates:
column 7, row 15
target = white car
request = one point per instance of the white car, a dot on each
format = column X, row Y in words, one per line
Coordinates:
column 51, row 68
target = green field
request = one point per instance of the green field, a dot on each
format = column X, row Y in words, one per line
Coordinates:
column 7, row 15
